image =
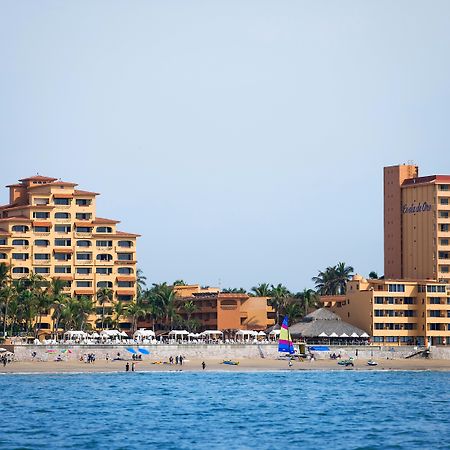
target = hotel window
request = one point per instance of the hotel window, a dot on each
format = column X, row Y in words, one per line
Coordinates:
column 104, row 243
column 62, row 215
column 391, row 339
column 63, row 269
column 84, row 229
column 125, row 256
column 63, row 242
column 103, row 270
column 84, row 243
column 124, row 298
column 379, row 312
column 2, row 241
column 126, row 244
column 21, row 270
column 409, row 326
column 104, row 284
column 444, row 242
column 104, row 257
column 444, row 187
column 443, row 255
column 378, row 339
column 104, row 230
column 379, row 326
column 41, row 201
column 20, row 256
column 434, row 301
column 83, row 216
column 61, row 201
column 42, row 256
column 41, row 215
column 125, row 270
column 20, row 228
column 20, row 242
column 444, row 269
column 84, row 270
column 434, row 313
column 409, row 301
column 443, row 214
column 125, row 284
column 63, row 256
column 84, row 256
column 84, row 283
column 42, row 229
column 444, row 200
column 435, row 326
column 3, row 256
column 83, row 202
column 444, row 227
column 396, row 288
column 436, row 288
column 62, row 228
column 41, row 243
column 42, row 270
column 409, row 313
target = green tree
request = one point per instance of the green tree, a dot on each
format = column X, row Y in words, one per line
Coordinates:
column 234, row 291
column 373, row 275
column 141, row 281
column 279, row 299
column 262, row 290
column 104, row 295
column 135, row 311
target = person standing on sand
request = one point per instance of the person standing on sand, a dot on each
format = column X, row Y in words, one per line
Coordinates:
column 290, row 363
column 203, row 365
column 133, row 365
column 181, row 360
column 176, row 360
column 127, row 367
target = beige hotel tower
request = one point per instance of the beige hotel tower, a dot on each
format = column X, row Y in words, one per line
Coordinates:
column 51, row 228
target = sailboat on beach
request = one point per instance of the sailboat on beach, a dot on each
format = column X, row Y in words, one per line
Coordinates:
column 285, row 344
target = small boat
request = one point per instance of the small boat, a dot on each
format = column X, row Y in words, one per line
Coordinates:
column 346, row 362
column 372, row 363
column 230, row 362
column 285, row 344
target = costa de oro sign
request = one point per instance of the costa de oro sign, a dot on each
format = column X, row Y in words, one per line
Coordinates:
column 416, row 208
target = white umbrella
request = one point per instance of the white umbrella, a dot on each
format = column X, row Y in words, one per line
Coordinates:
column 275, row 332
column 95, row 335
column 261, row 333
column 333, row 334
column 212, row 332
column 3, row 350
column 354, row 335
column 323, row 334
column 365, row 335
column 344, row 335
column 178, row 332
column 123, row 334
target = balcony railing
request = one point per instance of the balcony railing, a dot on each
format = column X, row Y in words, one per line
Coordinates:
column 42, row 262
column 82, row 235
column 84, row 262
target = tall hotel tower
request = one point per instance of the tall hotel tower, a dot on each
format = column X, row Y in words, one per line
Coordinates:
column 416, row 224
column 52, row 229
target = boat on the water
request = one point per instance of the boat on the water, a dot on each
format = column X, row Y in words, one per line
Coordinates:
column 285, row 344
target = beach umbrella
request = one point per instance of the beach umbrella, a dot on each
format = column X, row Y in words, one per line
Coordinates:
column 364, row 335
column 3, row 350
column 323, row 334
column 144, row 351
column 344, row 335
column 261, row 333
column 123, row 334
column 354, row 335
column 131, row 350
column 333, row 334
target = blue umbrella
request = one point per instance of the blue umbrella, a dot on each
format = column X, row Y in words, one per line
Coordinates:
column 144, row 351
column 131, row 350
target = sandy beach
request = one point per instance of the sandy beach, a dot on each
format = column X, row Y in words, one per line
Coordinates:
column 216, row 365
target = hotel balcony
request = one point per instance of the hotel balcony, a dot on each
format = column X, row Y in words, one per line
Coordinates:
column 395, row 319
column 104, row 249
column 84, row 262
column 82, row 235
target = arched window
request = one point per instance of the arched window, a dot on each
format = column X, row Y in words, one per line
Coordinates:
column 20, row 228
column 125, row 270
column 20, row 242
column 84, row 243
column 21, row 270
column 104, row 284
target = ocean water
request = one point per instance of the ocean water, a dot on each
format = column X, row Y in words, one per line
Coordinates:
column 218, row 410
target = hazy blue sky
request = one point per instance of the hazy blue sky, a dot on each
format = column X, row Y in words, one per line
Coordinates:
column 244, row 140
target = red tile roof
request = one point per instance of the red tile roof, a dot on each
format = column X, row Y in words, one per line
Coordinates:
column 16, row 219
column 428, row 179
column 100, row 220
column 79, row 193
column 39, row 178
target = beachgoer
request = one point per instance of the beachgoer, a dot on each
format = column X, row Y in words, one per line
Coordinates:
column 127, row 367
column 290, row 363
column 4, row 361
column 203, row 365
column 133, row 365
column 176, row 360
column 181, row 360
column 107, row 357
column 33, row 355
column 356, row 352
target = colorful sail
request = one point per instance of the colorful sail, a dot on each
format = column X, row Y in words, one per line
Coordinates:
column 285, row 342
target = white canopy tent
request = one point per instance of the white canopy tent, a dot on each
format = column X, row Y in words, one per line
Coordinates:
column 109, row 334
column 178, row 334
column 261, row 333
column 323, row 334
column 143, row 333
column 354, row 335
column 365, row 335
column 75, row 334
column 333, row 334
column 344, row 335
column 274, row 333
column 212, row 333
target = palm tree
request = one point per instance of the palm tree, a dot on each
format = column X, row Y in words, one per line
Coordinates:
column 343, row 275
column 141, row 281
column 104, row 295
column 135, row 311
column 279, row 298
column 262, row 290
column 333, row 281
column 293, row 310
column 308, row 298
column 166, row 301
column 43, row 302
column 119, row 311
column 189, row 307
column 373, row 275
column 234, row 291
column 179, row 283
column 7, row 294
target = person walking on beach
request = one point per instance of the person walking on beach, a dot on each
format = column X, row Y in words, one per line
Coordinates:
column 176, row 360
column 203, row 365
column 290, row 363
column 127, row 367
column 133, row 365
column 107, row 357
column 181, row 360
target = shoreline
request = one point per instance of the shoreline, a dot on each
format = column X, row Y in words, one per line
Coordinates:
column 215, row 365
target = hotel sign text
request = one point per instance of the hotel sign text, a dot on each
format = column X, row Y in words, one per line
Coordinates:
column 414, row 208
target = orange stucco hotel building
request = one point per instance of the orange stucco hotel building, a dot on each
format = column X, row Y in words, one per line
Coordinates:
column 52, row 229
column 411, row 304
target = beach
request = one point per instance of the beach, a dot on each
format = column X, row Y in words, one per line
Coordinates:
column 247, row 364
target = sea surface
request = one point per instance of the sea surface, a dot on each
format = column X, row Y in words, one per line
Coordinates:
column 218, row 410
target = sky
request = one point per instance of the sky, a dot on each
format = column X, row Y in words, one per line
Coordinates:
column 245, row 140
